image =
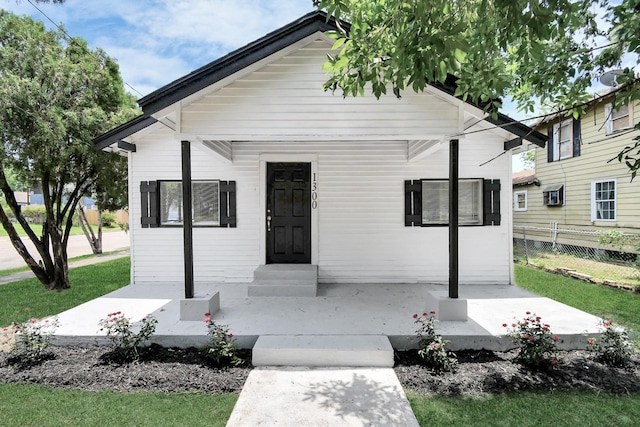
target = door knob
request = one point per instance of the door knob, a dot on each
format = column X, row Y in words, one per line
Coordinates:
column 268, row 222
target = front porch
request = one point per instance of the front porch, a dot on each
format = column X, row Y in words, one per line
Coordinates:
column 339, row 309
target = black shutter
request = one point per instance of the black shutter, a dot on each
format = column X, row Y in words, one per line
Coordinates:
column 576, row 137
column 550, row 144
column 413, row 203
column 149, row 204
column 227, row 204
column 491, row 202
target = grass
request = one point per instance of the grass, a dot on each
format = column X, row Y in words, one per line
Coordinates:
column 11, row 271
column 614, row 304
column 29, row 405
column 622, row 274
column 25, row 299
column 527, row 409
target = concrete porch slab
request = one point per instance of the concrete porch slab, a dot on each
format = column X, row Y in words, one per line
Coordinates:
column 339, row 309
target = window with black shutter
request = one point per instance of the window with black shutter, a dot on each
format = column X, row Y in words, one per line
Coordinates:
column 213, row 203
column 427, row 202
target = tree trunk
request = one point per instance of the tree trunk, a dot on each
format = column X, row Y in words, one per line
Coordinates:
column 94, row 242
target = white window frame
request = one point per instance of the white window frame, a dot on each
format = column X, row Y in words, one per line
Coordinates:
column 178, row 208
column 469, row 198
column 609, row 119
column 557, row 152
column 595, row 202
column 516, row 205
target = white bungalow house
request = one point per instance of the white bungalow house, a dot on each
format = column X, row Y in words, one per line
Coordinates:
column 284, row 174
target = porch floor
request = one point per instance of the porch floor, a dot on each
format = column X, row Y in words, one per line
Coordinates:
column 350, row 309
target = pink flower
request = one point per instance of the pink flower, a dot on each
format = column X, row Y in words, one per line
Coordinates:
column 607, row 323
column 230, row 335
column 538, row 318
column 208, row 313
column 532, row 339
column 513, row 325
column 554, row 362
column 432, row 312
column 415, row 316
column 526, row 336
column 591, row 341
column 545, row 328
column 528, row 312
column 207, row 319
column 423, row 319
column 424, row 314
column 34, row 320
column 555, row 338
column 504, row 325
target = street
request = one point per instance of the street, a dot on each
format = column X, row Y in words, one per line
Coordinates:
column 78, row 245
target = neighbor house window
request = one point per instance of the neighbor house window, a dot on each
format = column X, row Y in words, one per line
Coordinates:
column 205, row 203
column 617, row 120
column 603, row 200
column 520, row 201
column 553, row 195
column 564, row 140
column 435, row 202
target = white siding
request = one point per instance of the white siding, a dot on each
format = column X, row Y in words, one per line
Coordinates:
column 362, row 237
column 362, row 163
column 286, row 98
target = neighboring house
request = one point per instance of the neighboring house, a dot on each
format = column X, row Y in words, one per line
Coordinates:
column 578, row 182
column 285, row 173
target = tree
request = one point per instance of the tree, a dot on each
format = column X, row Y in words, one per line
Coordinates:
column 528, row 159
column 56, row 95
column 546, row 52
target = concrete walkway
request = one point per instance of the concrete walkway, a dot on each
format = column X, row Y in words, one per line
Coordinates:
column 322, row 397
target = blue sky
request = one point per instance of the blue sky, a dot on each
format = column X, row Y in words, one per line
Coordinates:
column 158, row 41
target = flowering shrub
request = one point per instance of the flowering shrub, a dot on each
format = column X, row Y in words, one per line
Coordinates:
column 431, row 346
column 34, row 339
column 537, row 345
column 220, row 350
column 126, row 343
column 613, row 347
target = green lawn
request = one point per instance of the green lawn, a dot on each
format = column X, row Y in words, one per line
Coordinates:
column 25, row 299
column 29, row 405
column 528, row 409
column 615, row 304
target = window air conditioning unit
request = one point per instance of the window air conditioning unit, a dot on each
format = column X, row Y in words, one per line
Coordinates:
column 553, row 195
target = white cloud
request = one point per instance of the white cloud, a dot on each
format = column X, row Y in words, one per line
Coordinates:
column 157, row 41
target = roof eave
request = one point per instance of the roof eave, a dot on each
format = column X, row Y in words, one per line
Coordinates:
column 123, row 131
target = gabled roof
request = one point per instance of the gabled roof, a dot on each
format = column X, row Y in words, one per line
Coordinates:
column 525, row 177
column 256, row 51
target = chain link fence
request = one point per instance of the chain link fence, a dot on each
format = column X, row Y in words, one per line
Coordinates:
column 608, row 257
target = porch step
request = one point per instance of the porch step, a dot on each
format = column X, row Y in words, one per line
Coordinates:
column 323, row 350
column 290, row 280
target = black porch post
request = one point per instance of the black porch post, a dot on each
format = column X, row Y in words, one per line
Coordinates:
column 187, row 219
column 453, row 217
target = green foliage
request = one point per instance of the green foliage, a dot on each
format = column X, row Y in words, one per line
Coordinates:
column 33, row 340
column 220, row 350
column 431, row 347
column 56, row 96
column 613, row 347
column 536, row 344
column 108, row 219
column 494, row 48
column 31, row 405
column 35, row 214
column 126, row 337
column 528, row 159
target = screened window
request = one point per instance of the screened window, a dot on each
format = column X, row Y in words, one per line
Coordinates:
column 603, row 200
column 435, row 202
column 617, row 120
column 520, row 201
column 206, row 203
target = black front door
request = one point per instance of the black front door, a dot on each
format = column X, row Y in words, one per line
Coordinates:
column 288, row 213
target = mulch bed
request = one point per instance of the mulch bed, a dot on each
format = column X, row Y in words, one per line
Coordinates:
column 184, row 370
